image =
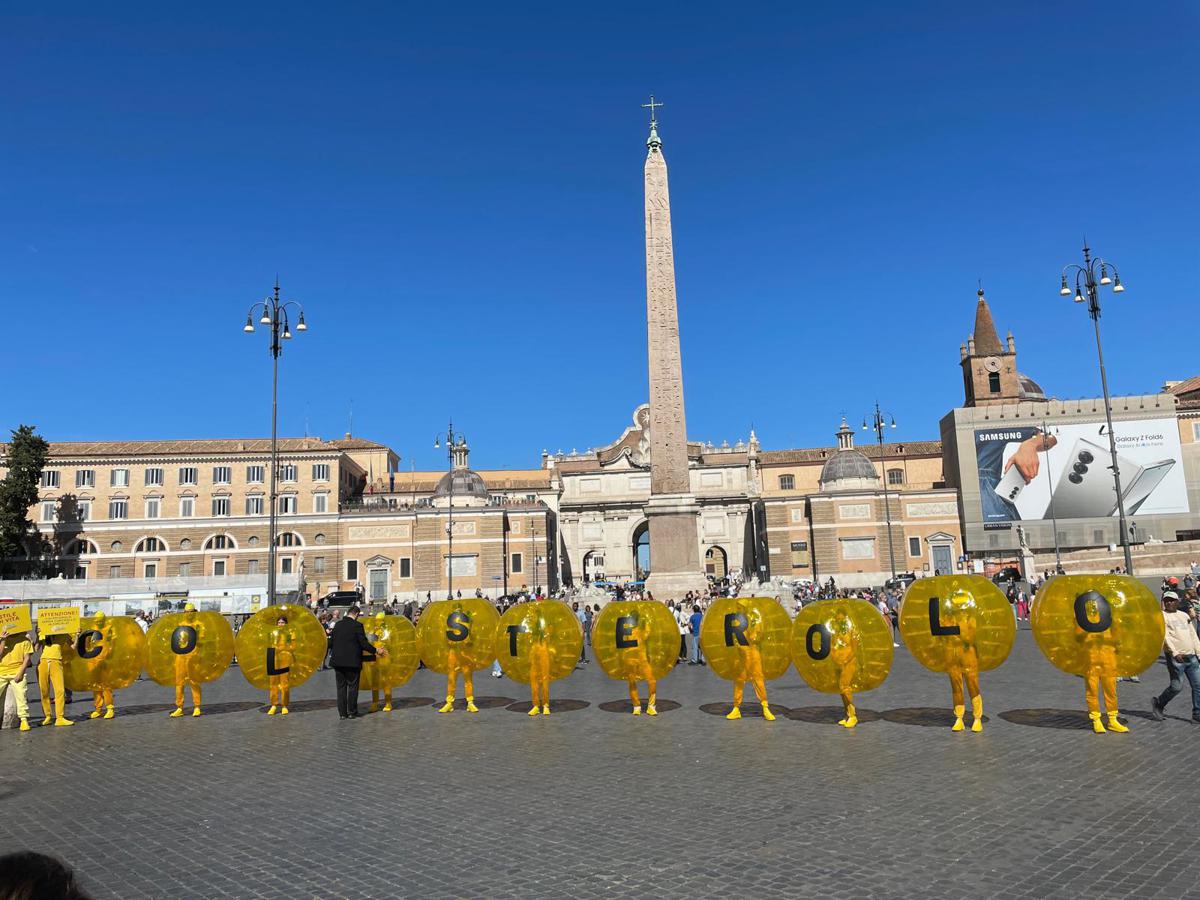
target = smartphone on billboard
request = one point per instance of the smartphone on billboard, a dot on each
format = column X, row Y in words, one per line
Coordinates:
column 1144, row 484
column 1085, row 486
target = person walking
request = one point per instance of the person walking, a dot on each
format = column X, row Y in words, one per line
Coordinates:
column 1181, row 650
column 348, row 644
column 694, row 621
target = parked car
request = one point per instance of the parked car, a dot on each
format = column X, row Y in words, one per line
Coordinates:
column 342, row 598
column 900, row 582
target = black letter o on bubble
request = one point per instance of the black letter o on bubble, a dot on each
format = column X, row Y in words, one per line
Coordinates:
column 184, row 639
column 1103, row 608
column 822, row 649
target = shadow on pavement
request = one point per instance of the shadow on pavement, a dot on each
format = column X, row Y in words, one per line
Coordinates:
column 207, row 709
column 556, row 706
column 829, row 715
column 751, row 709
column 481, row 702
column 926, row 716
column 1068, row 719
column 626, row 707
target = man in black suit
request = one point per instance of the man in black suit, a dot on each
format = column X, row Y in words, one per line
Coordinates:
column 348, row 644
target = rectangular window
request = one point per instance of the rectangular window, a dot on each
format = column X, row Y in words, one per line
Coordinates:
column 405, row 567
column 285, row 565
column 218, row 567
column 187, row 507
column 252, row 567
column 1195, row 436
column 118, row 478
column 321, row 472
column 85, row 510
column 150, row 570
column 255, row 474
column 254, row 506
column 914, row 546
column 320, row 503
column 799, row 546
column 152, row 507
column 222, row 474
column 1098, row 536
column 787, row 482
column 287, row 504
column 287, row 472
column 118, row 509
column 85, row 478
column 50, row 478
column 352, row 570
column 114, row 571
column 994, row 382
column 189, row 475
column 895, row 476
column 185, row 570
column 319, row 565
column 517, row 563
column 49, row 507
column 220, row 506
column 154, row 476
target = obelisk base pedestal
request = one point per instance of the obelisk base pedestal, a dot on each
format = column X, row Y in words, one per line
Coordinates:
column 674, row 547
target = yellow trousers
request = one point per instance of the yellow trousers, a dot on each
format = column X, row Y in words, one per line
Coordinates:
column 102, row 697
column 17, row 685
column 179, row 695
column 50, row 672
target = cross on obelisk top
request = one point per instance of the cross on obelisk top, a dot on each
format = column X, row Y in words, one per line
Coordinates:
column 651, row 106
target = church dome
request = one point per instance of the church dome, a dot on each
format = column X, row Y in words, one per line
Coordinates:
column 464, row 483
column 847, row 469
column 1029, row 389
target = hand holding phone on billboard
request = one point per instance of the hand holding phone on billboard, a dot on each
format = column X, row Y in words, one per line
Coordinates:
column 1026, row 460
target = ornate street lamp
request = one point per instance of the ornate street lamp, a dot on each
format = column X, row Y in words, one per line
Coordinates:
column 452, row 438
column 1088, row 279
column 275, row 314
column 877, row 425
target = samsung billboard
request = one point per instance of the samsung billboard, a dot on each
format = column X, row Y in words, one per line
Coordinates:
column 1067, row 473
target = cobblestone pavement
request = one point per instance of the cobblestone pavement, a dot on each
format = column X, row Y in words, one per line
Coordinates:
column 592, row 802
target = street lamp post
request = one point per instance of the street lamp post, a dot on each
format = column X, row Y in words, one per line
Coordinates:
column 1089, row 277
column 877, row 425
column 533, row 528
column 274, row 313
column 452, row 438
column 1053, row 514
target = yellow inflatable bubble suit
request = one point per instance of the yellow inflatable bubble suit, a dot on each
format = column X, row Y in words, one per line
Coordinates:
column 192, row 647
column 109, row 653
column 267, row 648
column 541, row 637
column 953, row 622
column 458, row 635
column 746, row 638
column 842, row 646
column 635, row 640
column 1106, row 625
column 396, row 656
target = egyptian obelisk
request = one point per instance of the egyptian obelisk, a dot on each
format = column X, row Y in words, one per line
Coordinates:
column 672, row 511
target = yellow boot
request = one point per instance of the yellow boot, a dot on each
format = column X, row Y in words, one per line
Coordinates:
column 735, row 713
column 110, row 712
column 546, row 710
column 637, row 709
column 24, row 724
column 271, row 711
column 47, row 720
column 958, row 716
column 651, row 710
column 449, row 707
column 851, row 717
column 178, row 712
column 95, row 713
column 767, row 714
column 533, row 710
column 374, row 707
column 1114, row 724
column 63, row 721
column 977, row 712
column 471, row 707
column 1097, row 725
column 195, row 712
column 283, row 710
column 387, row 707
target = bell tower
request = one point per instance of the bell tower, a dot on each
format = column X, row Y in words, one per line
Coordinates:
column 989, row 368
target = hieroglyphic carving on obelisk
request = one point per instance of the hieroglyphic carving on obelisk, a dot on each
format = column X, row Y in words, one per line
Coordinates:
column 674, row 541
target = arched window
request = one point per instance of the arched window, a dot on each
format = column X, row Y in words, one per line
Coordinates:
column 82, row 546
column 288, row 539
column 895, row 476
column 220, row 542
column 116, row 547
column 150, row 545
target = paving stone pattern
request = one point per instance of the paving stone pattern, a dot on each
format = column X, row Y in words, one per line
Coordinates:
column 592, row 802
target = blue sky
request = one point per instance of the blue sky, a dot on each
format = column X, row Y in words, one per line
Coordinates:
column 455, row 194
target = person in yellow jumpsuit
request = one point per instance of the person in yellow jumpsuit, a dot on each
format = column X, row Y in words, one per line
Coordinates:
column 539, row 666
column 279, row 688
column 50, row 672
column 381, row 689
column 751, row 670
column 102, row 697
column 16, row 653
column 1100, row 648
column 457, row 663
column 638, row 668
column 845, row 651
column 962, row 663
column 185, row 663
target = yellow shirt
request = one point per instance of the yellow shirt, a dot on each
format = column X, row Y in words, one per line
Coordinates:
column 53, row 647
column 12, row 654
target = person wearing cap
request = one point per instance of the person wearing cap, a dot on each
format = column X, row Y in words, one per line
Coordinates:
column 1181, row 650
column 16, row 653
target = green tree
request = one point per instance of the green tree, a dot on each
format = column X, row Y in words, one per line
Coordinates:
column 25, row 456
